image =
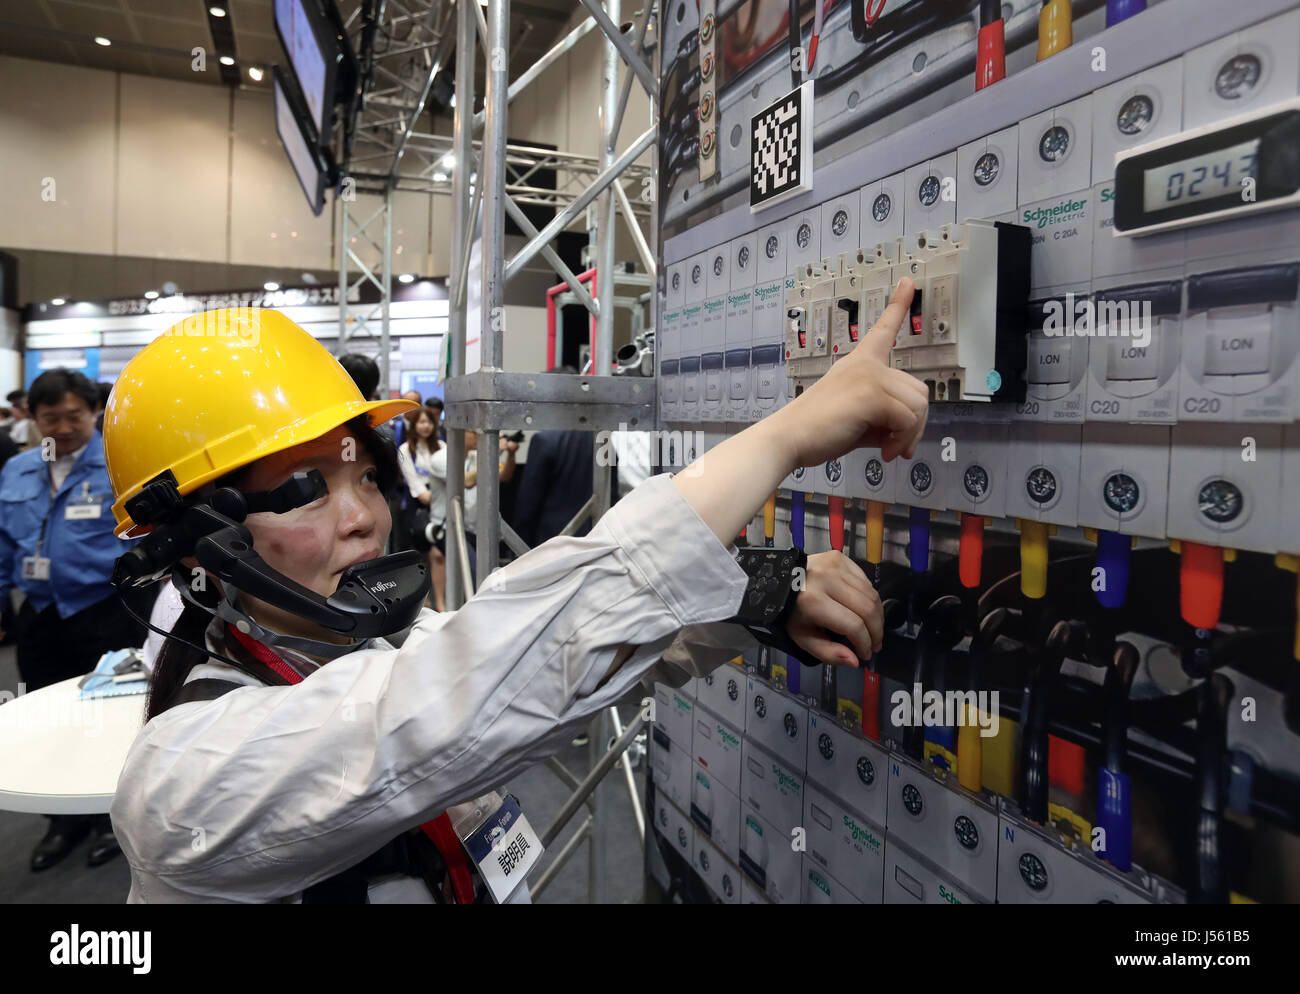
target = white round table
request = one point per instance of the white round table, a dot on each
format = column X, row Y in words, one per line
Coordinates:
column 62, row 755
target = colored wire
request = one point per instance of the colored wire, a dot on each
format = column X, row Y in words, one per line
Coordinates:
column 819, row 19
column 990, row 56
column 1122, row 10
column 1055, row 32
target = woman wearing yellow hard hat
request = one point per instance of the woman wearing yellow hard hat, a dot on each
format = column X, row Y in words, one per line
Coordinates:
column 292, row 751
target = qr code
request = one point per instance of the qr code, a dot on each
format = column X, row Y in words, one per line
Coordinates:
column 780, row 140
column 510, row 856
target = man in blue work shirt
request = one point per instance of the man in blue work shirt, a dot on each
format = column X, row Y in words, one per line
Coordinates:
column 57, row 546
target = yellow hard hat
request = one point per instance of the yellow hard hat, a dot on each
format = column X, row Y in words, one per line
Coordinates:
column 218, row 391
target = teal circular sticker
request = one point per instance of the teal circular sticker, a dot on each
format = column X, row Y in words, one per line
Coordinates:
column 993, row 381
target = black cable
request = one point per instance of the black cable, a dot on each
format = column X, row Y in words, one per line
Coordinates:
column 204, row 650
column 858, row 19
column 1119, row 681
column 679, row 131
column 1045, row 671
column 894, row 31
column 688, row 89
column 688, row 47
column 1211, row 882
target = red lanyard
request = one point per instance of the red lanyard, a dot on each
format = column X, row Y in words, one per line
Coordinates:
column 439, row 830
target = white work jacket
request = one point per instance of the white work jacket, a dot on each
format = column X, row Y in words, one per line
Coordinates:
column 265, row 791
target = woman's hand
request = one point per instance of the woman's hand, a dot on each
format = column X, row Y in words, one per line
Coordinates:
column 425, row 498
column 837, row 599
column 861, row 402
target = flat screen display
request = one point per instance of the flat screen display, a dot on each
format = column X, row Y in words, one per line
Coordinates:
column 309, row 61
column 300, row 152
column 1205, row 176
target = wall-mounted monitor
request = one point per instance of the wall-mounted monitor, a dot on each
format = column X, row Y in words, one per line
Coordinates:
column 293, row 129
column 314, row 53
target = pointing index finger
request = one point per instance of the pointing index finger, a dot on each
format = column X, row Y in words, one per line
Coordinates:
column 880, row 339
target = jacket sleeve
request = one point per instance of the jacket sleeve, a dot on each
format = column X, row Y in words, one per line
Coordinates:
column 285, row 786
column 698, row 650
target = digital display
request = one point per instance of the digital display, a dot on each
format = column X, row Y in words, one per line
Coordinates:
column 1244, row 165
column 305, row 56
column 300, row 153
column 1202, row 177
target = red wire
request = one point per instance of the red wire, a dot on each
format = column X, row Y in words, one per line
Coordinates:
column 812, row 43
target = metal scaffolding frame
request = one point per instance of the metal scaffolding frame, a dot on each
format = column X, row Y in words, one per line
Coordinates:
column 491, row 399
column 383, row 153
column 358, row 318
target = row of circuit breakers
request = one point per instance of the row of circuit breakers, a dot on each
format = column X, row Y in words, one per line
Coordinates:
column 1193, row 318
column 1219, row 345
column 771, row 800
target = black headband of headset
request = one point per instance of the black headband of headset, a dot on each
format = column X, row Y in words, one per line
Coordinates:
column 373, row 599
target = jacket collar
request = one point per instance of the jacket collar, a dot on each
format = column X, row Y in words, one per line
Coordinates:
column 92, row 457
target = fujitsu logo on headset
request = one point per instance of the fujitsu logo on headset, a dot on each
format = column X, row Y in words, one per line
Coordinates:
column 383, row 585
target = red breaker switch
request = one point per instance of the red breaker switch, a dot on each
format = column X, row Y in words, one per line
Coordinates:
column 915, row 312
column 850, row 308
column 796, row 316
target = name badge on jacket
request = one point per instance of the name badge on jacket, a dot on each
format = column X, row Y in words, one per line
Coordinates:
column 85, row 506
column 503, row 845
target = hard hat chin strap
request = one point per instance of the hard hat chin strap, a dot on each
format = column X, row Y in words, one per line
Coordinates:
column 230, row 610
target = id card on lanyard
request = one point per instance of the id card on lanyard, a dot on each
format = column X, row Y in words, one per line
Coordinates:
column 37, row 567
column 499, row 840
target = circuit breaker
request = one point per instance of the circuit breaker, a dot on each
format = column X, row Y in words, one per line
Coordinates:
column 861, row 295
column 1034, row 868
column 808, row 326
column 965, row 333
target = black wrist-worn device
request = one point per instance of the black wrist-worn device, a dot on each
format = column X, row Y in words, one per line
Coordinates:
column 775, row 578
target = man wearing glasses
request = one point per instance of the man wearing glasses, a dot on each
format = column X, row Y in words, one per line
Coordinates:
column 57, row 548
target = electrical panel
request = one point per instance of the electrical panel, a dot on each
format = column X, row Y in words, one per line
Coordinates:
column 1107, row 320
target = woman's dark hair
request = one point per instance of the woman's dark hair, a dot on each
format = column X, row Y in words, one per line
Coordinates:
column 49, row 388
column 413, row 419
column 176, row 659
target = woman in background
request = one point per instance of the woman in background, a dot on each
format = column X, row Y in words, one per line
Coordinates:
column 428, row 494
